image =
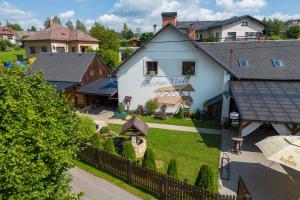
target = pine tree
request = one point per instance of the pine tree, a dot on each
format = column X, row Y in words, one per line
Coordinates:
column 172, row 169
column 109, row 146
column 70, row 25
column 205, row 178
column 128, row 151
column 149, row 160
column 80, row 26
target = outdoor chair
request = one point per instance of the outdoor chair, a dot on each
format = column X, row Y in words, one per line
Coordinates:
column 162, row 113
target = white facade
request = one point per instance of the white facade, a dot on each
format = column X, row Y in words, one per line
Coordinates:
column 209, row 80
column 11, row 38
column 241, row 28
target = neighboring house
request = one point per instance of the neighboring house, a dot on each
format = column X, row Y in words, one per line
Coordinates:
column 57, row 39
column 70, row 72
column 258, row 79
column 6, row 33
column 292, row 22
column 21, row 35
column 236, row 28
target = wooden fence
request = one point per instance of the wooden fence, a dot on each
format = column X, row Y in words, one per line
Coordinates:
column 242, row 189
column 157, row 184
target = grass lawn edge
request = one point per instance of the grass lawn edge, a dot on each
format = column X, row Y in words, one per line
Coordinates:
column 139, row 193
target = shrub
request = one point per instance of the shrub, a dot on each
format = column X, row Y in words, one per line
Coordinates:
column 172, row 169
column 105, row 130
column 197, row 114
column 128, row 151
column 180, row 114
column 121, row 108
column 205, row 178
column 95, row 140
column 151, row 106
column 149, row 160
column 109, row 146
column 87, row 126
column 275, row 37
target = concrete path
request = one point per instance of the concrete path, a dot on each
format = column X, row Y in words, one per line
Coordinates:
column 95, row 188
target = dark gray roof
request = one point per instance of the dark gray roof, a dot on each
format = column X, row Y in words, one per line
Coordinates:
column 268, row 101
column 65, row 67
column 260, row 55
column 102, row 86
column 59, row 86
column 204, row 25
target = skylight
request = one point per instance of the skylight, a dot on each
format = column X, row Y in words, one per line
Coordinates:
column 278, row 63
column 244, row 63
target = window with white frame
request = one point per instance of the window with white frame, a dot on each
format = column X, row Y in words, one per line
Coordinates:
column 151, row 68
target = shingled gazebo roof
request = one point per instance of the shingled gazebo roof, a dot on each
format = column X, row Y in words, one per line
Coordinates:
column 135, row 126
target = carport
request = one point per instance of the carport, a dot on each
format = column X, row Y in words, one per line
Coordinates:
column 267, row 102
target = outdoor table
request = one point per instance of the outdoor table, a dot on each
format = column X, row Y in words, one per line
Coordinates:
column 237, row 144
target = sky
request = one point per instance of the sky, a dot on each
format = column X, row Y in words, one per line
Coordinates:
column 141, row 13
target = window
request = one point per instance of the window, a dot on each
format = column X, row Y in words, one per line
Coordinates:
column 245, row 24
column 73, row 49
column 60, row 49
column 244, row 63
column 277, row 63
column 43, row 49
column 151, row 68
column 188, row 68
column 251, row 34
column 32, row 50
column 231, row 35
column 10, row 37
column 218, row 36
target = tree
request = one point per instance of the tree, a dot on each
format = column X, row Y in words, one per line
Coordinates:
column 95, row 141
column 149, row 160
column 197, row 114
column 32, row 28
column 70, row 25
column 105, row 130
column 80, row 26
column 110, row 57
column 56, row 19
column 128, row 52
column 205, row 178
column 172, row 169
column 126, row 33
column 40, row 137
column 293, row 32
column 109, row 146
column 180, row 114
column 15, row 27
column 275, row 27
column 146, row 36
column 128, row 151
column 151, row 106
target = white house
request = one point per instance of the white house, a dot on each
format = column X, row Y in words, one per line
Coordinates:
column 164, row 61
column 6, row 33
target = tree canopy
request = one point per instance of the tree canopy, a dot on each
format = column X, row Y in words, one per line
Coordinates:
column 39, row 138
column 15, row 27
column 70, row 25
column 293, row 32
column 275, row 27
column 80, row 26
column 32, row 28
column 126, row 33
column 146, row 36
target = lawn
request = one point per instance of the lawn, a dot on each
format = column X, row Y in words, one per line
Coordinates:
column 191, row 151
column 182, row 122
column 10, row 55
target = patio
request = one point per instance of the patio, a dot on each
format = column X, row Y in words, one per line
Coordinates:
column 264, row 179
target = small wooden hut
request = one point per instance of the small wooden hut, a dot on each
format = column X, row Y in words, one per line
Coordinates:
column 135, row 127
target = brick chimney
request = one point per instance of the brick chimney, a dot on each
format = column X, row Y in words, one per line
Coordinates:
column 50, row 22
column 192, row 32
column 168, row 17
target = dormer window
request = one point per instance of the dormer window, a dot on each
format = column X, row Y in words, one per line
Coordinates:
column 243, row 63
column 245, row 24
column 277, row 63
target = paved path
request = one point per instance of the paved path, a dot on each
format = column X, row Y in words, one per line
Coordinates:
column 96, row 188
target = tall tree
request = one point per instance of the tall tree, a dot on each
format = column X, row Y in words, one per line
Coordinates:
column 146, row 36
column 80, row 26
column 15, row 27
column 40, row 136
column 56, row 19
column 70, row 25
column 126, row 33
column 32, row 28
column 293, row 32
column 275, row 27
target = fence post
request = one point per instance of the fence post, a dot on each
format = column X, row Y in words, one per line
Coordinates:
column 164, row 188
column 98, row 159
column 129, row 172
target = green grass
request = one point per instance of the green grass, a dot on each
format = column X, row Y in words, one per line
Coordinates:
column 10, row 55
column 182, row 122
column 191, row 150
column 114, row 180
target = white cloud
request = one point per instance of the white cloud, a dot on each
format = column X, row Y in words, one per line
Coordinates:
column 67, row 14
column 242, row 5
column 16, row 15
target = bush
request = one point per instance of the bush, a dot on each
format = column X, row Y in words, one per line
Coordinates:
column 5, row 44
column 180, row 114
column 95, row 140
column 105, row 130
column 121, row 108
column 128, row 151
column 87, row 127
column 274, row 38
column 205, row 178
column 109, row 146
column 149, row 160
column 197, row 114
column 151, row 106
column 172, row 169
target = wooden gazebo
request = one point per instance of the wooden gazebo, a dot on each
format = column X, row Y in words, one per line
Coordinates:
column 135, row 127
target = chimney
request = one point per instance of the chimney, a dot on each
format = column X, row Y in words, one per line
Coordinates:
column 192, row 32
column 154, row 28
column 168, row 17
column 51, row 21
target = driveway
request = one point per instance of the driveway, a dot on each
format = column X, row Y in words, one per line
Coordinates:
column 264, row 179
column 95, row 188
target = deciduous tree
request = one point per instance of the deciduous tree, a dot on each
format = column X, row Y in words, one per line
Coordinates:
column 293, row 32
column 275, row 27
column 146, row 36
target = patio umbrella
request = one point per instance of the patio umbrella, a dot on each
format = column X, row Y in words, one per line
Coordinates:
column 282, row 149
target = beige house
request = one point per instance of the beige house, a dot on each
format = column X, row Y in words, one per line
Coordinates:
column 58, row 38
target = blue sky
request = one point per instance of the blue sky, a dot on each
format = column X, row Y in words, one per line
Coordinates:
column 141, row 13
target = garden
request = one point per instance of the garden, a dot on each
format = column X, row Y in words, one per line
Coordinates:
column 189, row 157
